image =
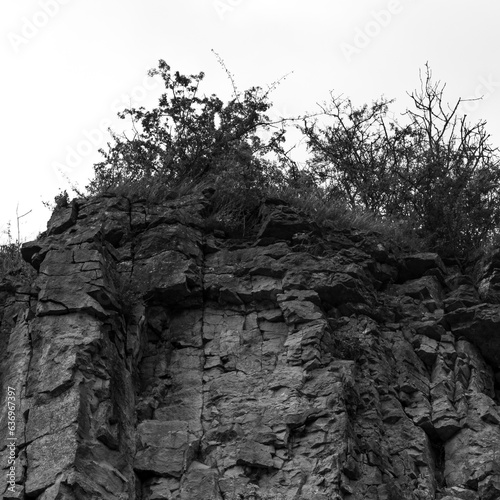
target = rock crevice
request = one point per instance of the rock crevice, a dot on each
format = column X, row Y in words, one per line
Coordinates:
column 155, row 359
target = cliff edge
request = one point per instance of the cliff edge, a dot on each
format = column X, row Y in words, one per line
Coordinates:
column 154, row 358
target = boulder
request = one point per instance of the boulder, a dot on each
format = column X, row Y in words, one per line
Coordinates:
column 416, row 265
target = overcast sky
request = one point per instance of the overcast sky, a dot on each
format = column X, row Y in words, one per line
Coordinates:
column 69, row 65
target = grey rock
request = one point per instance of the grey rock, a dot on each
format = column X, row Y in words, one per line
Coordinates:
column 155, row 359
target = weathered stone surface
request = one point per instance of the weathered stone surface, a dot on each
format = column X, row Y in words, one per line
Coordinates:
column 283, row 222
column 429, row 328
column 488, row 271
column 164, row 448
column 48, row 456
column 426, row 289
column 426, row 349
column 254, row 454
column 481, row 326
column 489, row 288
column 168, row 277
column 200, row 482
column 153, row 359
column 416, row 265
column 463, row 296
column 62, row 219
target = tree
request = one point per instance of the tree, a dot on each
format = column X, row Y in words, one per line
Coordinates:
column 188, row 137
column 351, row 157
column 191, row 138
column 437, row 170
column 455, row 173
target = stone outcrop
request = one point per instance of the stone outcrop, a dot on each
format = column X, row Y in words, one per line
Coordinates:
column 156, row 359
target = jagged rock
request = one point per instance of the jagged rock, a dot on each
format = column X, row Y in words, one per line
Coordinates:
column 489, row 287
column 62, row 219
column 254, row 454
column 416, row 265
column 463, row 296
column 481, row 326
column 426, row 349
column 383, row 272
column 458, row 493
column 200, row 483
column 488, row 277
column 429, row 328
column 30, row 252
column 283, row 222
column 168, row 277
column 298, row 311
column 155, row 359
column 164, row 448
column 425, row 289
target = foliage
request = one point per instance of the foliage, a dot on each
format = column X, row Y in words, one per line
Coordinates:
column 11, row 262
column 10, row 259
column 347, row 346
column 192, row 138
column 62, row 199
column 435, row 178
column 438, row 171
column 338, row 214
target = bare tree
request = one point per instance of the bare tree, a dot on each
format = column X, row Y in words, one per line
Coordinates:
column 437, row 169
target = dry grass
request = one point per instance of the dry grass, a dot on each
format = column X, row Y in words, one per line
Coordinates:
column 336, row 215
column 152, row 190
column 234, row 205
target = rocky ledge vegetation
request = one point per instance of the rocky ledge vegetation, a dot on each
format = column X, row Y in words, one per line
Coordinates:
column 155, row 358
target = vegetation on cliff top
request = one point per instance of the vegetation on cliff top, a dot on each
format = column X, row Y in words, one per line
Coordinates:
column 430, row 178
column 436, row 173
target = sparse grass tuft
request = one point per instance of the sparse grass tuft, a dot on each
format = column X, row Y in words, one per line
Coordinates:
column 336, row 215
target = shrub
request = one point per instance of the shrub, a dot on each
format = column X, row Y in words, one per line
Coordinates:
column 435, row 178
column 10, row 259
column 193, row 138
column 338, row 214
column 61, row 200
column 437, row 171
column 13, row 266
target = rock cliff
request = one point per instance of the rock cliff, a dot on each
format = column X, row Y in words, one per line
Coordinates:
column 156, row 359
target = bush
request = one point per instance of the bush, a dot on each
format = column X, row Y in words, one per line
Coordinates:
column 437, row 171
column 13, row 266
column 338, row 214
column 435, row 178
column 10, row 259
column 190, row 139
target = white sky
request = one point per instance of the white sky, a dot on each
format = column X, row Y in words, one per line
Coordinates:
column 68, row 65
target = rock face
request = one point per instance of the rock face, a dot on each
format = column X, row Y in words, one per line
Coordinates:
column 154, row 359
